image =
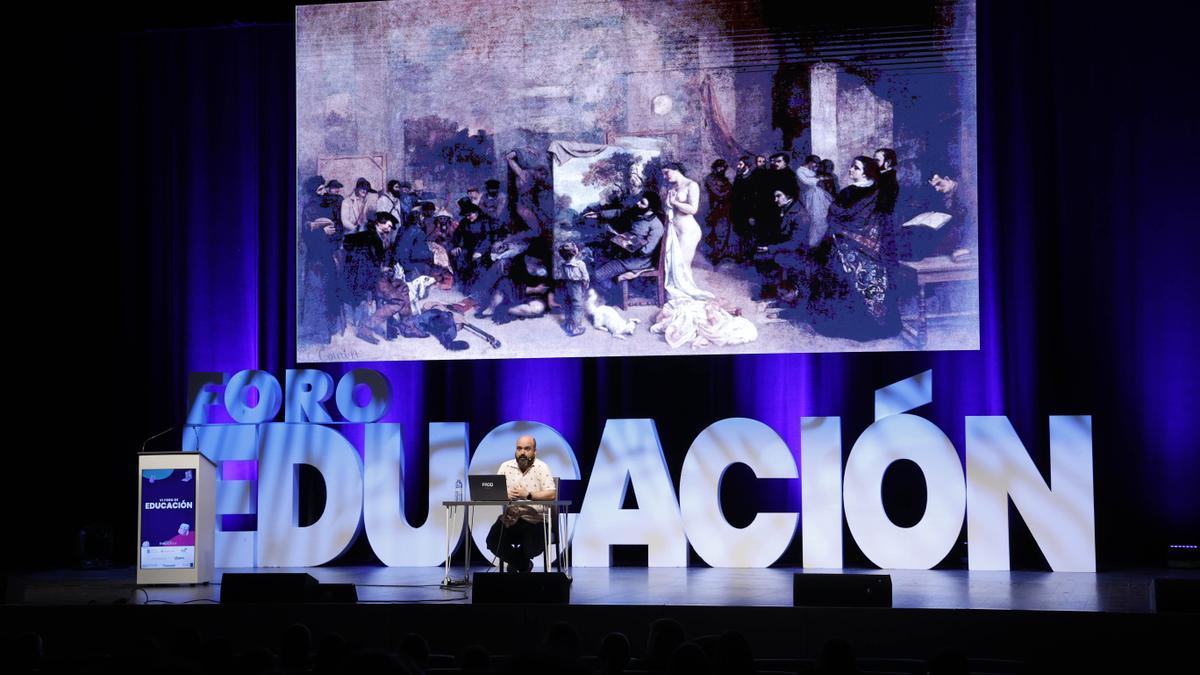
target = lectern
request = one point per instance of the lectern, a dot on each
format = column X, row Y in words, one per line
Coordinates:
column 176, row 518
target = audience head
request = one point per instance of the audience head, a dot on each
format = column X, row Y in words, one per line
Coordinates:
column 780, row 160
column 689, row 659
column 28, row 650
column 297, row 647
column 256, row 659
column 745, row 162
column 665, row 636
column 827, row 167
column 613, row 653
column 476, row 659
column 334, row 187
column 563, row 641
column 812, row 162
column 361, row 187
column 734, row 654
column 375, row 662
column 330, row 654
column 837, row 658
column 760, row 160
column 416, row 649
column 719, row 166
column 949, row 662
column 492, row 186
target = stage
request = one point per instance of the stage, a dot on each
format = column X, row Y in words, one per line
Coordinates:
column 1010, row 616
column 1127, row 592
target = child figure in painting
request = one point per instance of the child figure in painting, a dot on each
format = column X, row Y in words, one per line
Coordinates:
column 572, row 283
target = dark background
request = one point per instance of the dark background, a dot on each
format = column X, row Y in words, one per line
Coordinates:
column 170, row 252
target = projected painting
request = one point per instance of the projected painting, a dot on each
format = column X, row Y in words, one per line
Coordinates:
column 548, row 178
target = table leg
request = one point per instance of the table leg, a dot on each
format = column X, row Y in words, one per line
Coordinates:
column 546, row 544
column 446, row 580
column 467, row 545
column 922, row 331
column 564, row 534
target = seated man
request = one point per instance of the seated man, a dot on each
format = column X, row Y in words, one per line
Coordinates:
column 785, row 255
column 517, row 536
column 631, row 250
column 472, row 240
column 411, row 248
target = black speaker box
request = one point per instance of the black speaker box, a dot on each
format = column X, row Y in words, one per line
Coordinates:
column 1176, row 595
column 842, row 590
column 337, row 593
column 269, row 587
column 539, row 587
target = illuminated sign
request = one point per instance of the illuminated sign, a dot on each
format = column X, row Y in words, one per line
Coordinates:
column 365, row 491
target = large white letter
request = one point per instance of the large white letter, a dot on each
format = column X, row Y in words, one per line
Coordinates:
column 306, row 392
column 397, row 543
column 821, row 491
column 377, row 386
column 282, row 447
column 498, row 447
column 722, row 444
column 630, row 456
column 1062, row 520
column 270, row 396
column 925, row 544
column 225, row 444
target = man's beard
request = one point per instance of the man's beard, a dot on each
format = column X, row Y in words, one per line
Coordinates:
column 524, row 462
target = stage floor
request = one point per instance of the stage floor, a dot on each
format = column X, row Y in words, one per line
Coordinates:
column 1126, row 591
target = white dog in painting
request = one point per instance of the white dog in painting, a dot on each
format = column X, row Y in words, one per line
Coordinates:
column 607, row 318
column 418, row 289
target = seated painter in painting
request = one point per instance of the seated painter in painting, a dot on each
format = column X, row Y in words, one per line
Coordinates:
column 631, row 245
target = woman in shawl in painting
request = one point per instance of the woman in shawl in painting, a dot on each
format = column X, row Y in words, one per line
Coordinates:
column 853, row 297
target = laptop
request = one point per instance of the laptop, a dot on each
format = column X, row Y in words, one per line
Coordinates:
column 487, row 488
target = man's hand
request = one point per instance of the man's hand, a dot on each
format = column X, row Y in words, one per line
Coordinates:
column 516, row 493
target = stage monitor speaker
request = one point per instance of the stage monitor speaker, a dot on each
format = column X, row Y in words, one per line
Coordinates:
column 269, row 587
column 337, row 593
column 546, row 588
column 841, row 590
column 1176, row 595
